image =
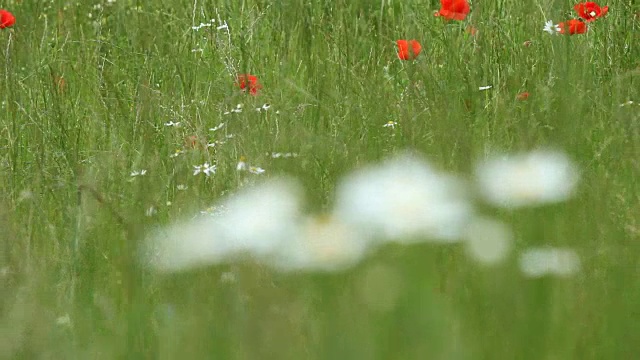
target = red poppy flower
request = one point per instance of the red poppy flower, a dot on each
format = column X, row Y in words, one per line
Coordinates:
column 408, row 50
column 575, row 27
column 453, row 9
column 590, row 10
column 6, row 19
column 250, row 81
column 522, row 96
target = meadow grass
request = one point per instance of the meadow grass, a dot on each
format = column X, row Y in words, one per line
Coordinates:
column 71, row 283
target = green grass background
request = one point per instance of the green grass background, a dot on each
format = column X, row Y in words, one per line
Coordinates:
column 72, row 218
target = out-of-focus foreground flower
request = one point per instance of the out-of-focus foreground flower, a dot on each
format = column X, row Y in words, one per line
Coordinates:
column 538, row 177
column 404, row 199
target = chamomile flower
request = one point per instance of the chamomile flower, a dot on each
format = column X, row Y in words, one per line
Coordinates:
column 256, row 170
column 204, row 169
column 324, row 243
column 404, row 199
column 135, row 173
column 172, row 124
column 551, row 28
column 390, row 124
column 258, row 221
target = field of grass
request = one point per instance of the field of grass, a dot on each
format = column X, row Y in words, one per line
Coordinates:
column 87, row 90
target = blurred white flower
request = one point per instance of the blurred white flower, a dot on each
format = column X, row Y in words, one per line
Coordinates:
column 404, row 199
column 488, row 241
column 482, row 88
column 323, row 243
column 243, row 166
column 220, row 126
column 177, row 153
column 257, row 221
column 551, row 28
column 538, row 262
column 172, row 124
column 204, row 169
column 256, row 170
column 277, row 155
column 237, row 110
column 533, row 178
column 390, row 124
column 135, row 173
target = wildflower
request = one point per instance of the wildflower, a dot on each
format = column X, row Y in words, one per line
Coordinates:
column 482, row 88
column 575, row 27
column 258, row 221
column 172, row 124
column 538, row 262
column 242, row 164
column 138, row 173
column 277, row 155
column 453, row 9
column 323, row 243
column 534, row 178
column 390, row 124
column 522, row 96
column 408, row 50
column 203, row 25
column 403, row 199
column 181, row 187
column 551, row 28
column 176, row 153
column 250, row 81
column 590, row 10
column 6, row 19
column 204, row 169
column 256, row 170
column 237, row 109
column 264, row 107
column 220, row 126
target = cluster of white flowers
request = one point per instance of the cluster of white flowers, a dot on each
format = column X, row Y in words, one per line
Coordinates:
column 403, row 200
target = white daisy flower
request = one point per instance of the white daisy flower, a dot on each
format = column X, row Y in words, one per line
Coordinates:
column 177, row 153
column 551, row 28
column 172, row 124
column 390, row 124
column 204, row 169
column 404, row 199
column 259, row 221
column 220, row 126
column 324, row 243
column 135, row 173
column 256, row 170
column 533, row 178
column 482, row 88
